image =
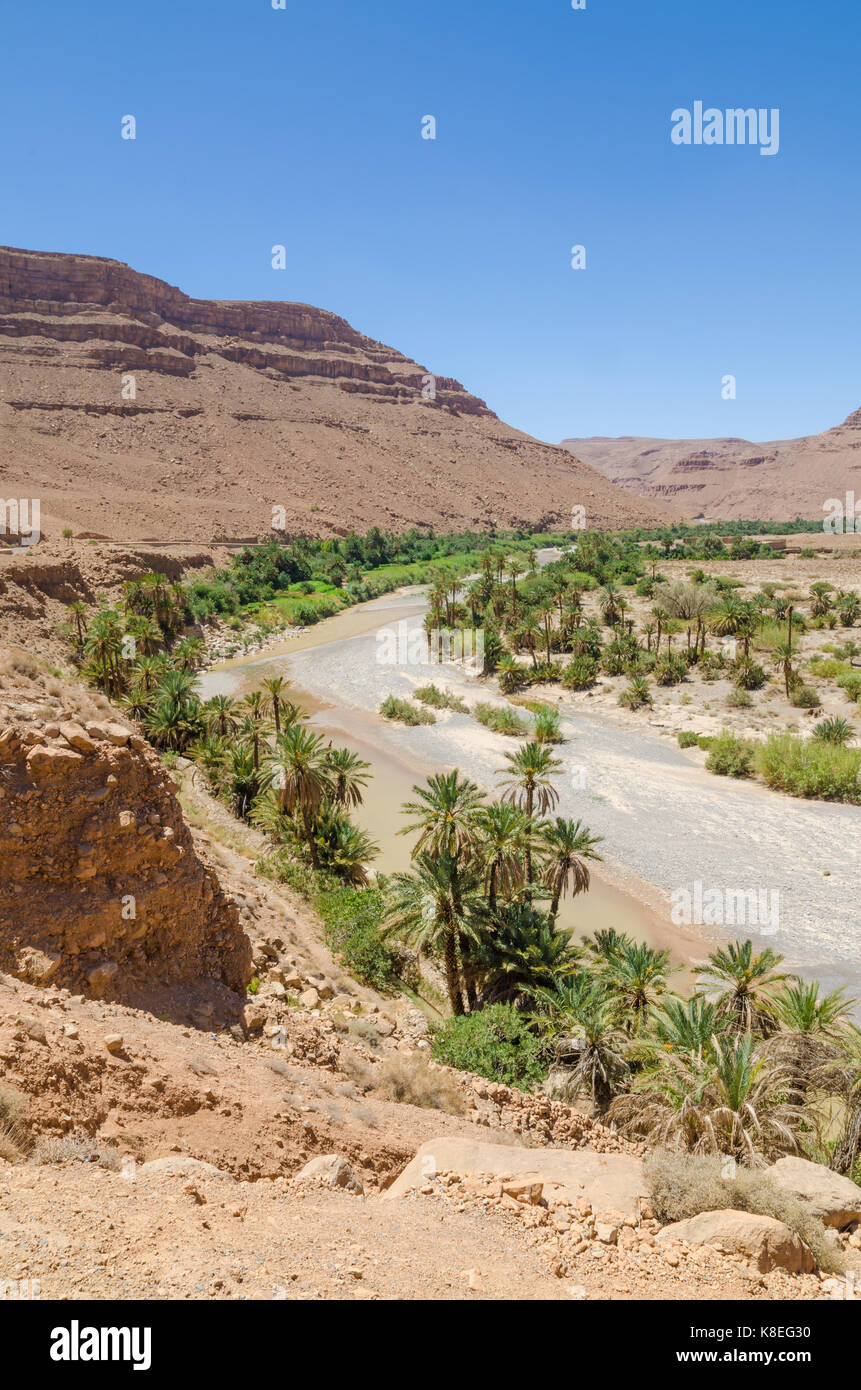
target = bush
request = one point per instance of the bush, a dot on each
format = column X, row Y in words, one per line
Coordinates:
column 804, row 697
column 13, row 1136
column 851, row 683
column 547, row 727
column 683, row 1185
column 351, row 918
column 501, row 721
column 813, row 768
column 404, row 712
column 730, row 756
column 687, row 739
column 670, row 670
column 739, row 699
column 747, row 675
column 580, row 672
column 440, row 699
column 495, row 1042
column 411, row 1080
column 636, row 694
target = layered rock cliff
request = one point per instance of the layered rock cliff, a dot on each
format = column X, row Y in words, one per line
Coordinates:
column 135, row 412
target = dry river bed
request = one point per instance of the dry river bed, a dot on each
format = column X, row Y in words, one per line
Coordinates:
column 668, row 825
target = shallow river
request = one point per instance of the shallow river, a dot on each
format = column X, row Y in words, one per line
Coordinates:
column 668, row 826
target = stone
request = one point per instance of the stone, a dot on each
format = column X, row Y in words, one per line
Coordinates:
column 835, row 1199
column 334, row 1171
column 36, row 965
column 523, row 1191
column 309, row 999
column 113, row 1042
column 76, row 737
column 178, row 1166
column 607, row 1233
column 765, row 1243
column 608, row 1182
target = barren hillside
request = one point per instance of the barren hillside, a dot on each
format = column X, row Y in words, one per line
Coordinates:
column 241, row 407
column 731, row 479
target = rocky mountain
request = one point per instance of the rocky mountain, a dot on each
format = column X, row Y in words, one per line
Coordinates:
column 732, row 479
column 131, row 411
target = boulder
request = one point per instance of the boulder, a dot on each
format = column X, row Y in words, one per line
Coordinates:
column 334, row 1171
column 834, row 1199
column 76, row 738
column 609, row 1182
column 764, row 1242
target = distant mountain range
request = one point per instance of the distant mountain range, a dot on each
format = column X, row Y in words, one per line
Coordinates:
column 131, row 411
column 732, row 479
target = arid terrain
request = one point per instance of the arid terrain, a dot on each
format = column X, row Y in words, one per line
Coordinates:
column 733, row 479
column 133, row 412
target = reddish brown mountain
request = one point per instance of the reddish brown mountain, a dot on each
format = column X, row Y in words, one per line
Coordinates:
column 242, row 407
column 732, row 479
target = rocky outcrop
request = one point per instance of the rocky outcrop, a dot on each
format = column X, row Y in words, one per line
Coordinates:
column 136, row 412
column 101, row 888
column 836, row 1200
column 763, row 1242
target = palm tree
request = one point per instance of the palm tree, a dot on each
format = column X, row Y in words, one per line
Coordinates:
column 568, row 845
column 344, row 849
column 783, row 656
column 504, row 830
column 636, row 977
column 78, row 611
column 254, row 724
column 527, row 784
column 426, row 913
column 686, row 1025
column 846, row 1072
column 731, row 1101
column 103, row 648
column 221, row 715
column 298, row 769
column 811, row 1027
column 590, row 1045
column 275, row 687
column 820, row 600
column 348, row 776
column 518, row 952
column 446, row 815
column 744, row 983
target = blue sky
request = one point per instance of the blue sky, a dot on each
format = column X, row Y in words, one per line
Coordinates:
column 302, row 126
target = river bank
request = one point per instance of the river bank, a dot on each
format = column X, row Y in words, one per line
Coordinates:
column 667, row 824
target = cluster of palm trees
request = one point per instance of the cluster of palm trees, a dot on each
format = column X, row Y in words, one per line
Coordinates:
column 753, row 1063
column 543, row 616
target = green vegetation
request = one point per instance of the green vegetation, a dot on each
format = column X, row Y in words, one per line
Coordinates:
column 500, row 720
column 816, row 767
column 440, row 699
column 730, row 756
column 405, row 713
column 496, row 1043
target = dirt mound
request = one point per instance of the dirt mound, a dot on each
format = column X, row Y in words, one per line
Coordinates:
column 100, row 883
column 132, row 411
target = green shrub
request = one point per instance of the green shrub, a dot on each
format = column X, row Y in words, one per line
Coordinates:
column 705, row 741
column 747, row 675
column 683, row 1185
column 851, row 683
column 547, row 727
column 501, row 720
column 687, row 738
column 351, row 918
column 730, row 756
column 636, row 694
column 739, row 699
column 495, row 1042
column 810, row 767
column 804, row 697
column 405, row 713
column 580, row 672
column 835, row 729
column 440, row 699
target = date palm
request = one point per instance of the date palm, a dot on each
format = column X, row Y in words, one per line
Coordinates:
column 349, row 776
column 254, row 725
column 581, row 1016
column 221, row 715
column 427, row 913
column 344, row 849
column 446, row 817
column 519, row 951
column 526, row 783
column 298, row 770
column 567, row 845
column 744, row 983
column 276, row 692
column 504, row 830
column 636, row 977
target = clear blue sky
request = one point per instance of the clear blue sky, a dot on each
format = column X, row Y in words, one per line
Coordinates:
column 302, row 126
